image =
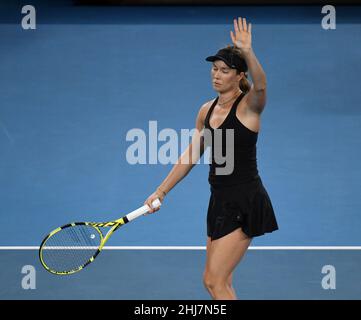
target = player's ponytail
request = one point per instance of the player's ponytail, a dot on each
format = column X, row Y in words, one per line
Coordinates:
column 244, row 84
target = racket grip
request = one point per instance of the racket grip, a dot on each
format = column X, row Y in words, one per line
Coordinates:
column 142, row 210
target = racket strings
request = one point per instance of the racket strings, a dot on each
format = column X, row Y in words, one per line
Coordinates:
column 71, row 248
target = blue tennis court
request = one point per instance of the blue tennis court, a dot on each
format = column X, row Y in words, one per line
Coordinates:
column 74, row 90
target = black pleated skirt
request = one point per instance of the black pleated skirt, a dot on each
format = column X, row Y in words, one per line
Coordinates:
column 245, row 206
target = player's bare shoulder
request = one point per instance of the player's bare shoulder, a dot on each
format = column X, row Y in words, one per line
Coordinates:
column 204, row 110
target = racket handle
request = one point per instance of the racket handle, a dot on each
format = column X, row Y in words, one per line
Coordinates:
column 142, row 210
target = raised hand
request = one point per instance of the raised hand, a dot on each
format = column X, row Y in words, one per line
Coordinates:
column 242, row 37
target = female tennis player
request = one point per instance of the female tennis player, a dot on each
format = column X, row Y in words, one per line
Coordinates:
column 239, row 206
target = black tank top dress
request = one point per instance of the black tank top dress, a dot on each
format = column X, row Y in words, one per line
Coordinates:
column 238, row 199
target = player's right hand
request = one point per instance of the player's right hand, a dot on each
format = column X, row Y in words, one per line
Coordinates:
column 155, row 195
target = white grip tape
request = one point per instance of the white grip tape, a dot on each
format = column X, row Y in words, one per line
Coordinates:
column 142, row 210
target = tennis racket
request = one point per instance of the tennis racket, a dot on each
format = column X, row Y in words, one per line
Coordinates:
column 70, row 248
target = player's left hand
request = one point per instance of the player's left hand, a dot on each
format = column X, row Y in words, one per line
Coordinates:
column 242, row 37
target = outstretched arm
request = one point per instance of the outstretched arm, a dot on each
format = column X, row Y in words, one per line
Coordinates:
column 184, row 163
column 242, row 39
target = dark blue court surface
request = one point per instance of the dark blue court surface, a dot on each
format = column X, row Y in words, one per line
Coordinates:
column 177, row 274
column 72, row 90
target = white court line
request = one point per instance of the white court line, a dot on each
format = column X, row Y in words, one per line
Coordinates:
column 200, row 248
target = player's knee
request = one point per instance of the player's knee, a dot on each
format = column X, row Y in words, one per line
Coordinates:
column 207, row 280
column 212, row 282
column 229, row 282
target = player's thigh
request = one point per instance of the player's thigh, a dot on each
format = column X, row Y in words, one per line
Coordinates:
column 225, row 253
column 208, row 249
